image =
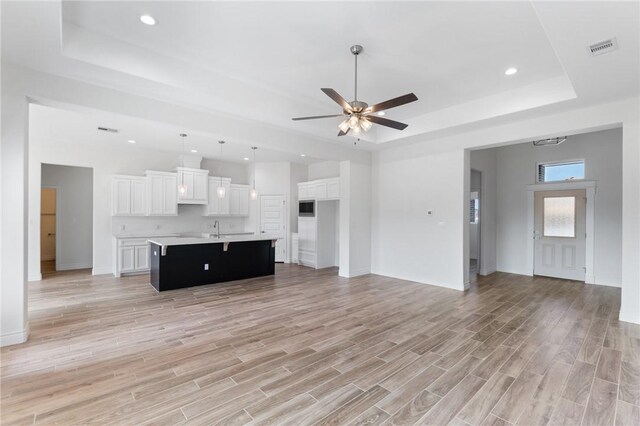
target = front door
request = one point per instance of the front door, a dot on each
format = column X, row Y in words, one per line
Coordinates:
column 272, row 221
column 560, row 234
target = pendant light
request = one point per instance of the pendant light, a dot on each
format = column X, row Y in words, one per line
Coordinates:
column 254, row 193
column 182, row 187
column 221, row 191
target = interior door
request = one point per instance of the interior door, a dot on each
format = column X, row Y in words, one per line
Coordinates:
column 560, row 234
column 272, row 221
column 48, row 224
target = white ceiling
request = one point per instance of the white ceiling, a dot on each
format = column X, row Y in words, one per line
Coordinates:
column 266, row 61
column 61, row 125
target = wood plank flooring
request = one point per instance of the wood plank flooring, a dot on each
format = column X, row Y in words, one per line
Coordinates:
column 308, row 347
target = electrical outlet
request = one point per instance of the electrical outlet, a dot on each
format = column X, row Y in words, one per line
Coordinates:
column 429, row 212
column 206, row 266
column 231, row 226
column 157, row 226
column 122, row 227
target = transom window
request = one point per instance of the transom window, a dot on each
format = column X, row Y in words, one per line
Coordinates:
column 561, row 171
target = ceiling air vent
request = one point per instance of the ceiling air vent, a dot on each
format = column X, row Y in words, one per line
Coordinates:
column 603, row 47
column 108, row 129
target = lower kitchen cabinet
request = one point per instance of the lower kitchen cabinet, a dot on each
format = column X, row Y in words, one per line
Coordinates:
column 131, row 256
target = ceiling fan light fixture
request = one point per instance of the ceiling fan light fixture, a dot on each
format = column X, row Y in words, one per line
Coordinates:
column 344, row 126
column 365, row 124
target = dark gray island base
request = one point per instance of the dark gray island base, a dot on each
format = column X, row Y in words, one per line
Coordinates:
column 180, row 263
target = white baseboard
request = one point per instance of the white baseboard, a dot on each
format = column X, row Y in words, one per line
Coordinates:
column 102, row 270
column 34, row 277
column 72, row 266
column 354, row 273
column 627, row 317
column 484, row 273
column 15, row 337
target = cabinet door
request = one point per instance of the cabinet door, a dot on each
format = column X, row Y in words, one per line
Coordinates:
column 170, row 200
column 243, row 202
column 127, row 259
column 224, row 203
column 234, row 201
column 333, row 189
column 213, row 204
column 155, row 195
column 141, row 261
column 303, row 191
column 121, row 196
column 138, row 197
column 200, row 185
column 320, row 190
column 186, row 177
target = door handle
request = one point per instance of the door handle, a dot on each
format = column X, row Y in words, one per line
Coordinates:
column 262, row 232
column 51, row 235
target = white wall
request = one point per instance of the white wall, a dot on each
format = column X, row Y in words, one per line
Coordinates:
column 516, row 165
column 74, row 214
column 485, row 162
column 324, row 169
column 355, row 219
column 407, row 242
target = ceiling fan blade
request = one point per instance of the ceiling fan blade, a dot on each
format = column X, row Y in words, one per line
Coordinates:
column 386, row 122
column 392, row 103
column 337, row 99
column 341, row 133
column 317, row 116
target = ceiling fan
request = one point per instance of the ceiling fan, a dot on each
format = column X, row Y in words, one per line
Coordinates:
column 359, row 116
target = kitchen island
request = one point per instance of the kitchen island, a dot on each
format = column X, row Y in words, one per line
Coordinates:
column 179, row 262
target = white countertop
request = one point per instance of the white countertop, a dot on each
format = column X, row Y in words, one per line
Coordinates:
column 183, row 241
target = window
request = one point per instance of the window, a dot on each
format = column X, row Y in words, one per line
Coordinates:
column 557, row 172
column 559, row 217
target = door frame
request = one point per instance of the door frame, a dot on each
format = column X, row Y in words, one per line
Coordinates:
column 286, row 221
column 590, row 189
column 58, row 189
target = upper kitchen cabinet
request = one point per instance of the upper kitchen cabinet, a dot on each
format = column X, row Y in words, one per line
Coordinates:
column 128, row 196
column 218, row 206
column 239, row 200
column 162, row 193
column 322, row 189
column 197, row 185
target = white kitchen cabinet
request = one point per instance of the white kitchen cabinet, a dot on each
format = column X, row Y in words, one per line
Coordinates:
column 161, row 194
column 197, row 183
column 239, row 200
column 132, row 256
column 333, row 189
column 218, row 206
column 128, row 196
column 321, row 189
column 307, row 241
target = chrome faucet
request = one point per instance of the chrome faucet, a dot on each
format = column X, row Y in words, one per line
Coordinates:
column 216, row 226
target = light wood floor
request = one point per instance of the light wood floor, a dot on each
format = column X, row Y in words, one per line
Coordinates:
column 308, row 347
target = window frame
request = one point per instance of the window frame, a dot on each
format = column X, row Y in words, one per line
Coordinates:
column 560, row 162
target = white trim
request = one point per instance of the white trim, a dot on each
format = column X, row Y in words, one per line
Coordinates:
column 355, row 273
column 72, row 266
column 101, row 270
column 15, row 337
column 629, row 318
column 590, row 188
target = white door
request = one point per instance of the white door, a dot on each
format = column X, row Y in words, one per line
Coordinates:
column 155, row 188
column 121, row 196
column 141, row 257
column 127, row 259
column 138, row 197
column 170, row 195
column 272, row 221
column 560, row 234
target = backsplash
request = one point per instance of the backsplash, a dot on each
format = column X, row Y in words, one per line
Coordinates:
column 189, row 219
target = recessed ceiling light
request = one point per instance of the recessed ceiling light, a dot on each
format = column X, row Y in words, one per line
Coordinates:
column 131, row 141
column 246, row 158
column 148, row 20
column 194, row 150
column 511, row 71
column 381, row 113
column 303, row 155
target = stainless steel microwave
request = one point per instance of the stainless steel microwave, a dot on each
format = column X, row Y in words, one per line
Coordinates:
column 306, row 208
